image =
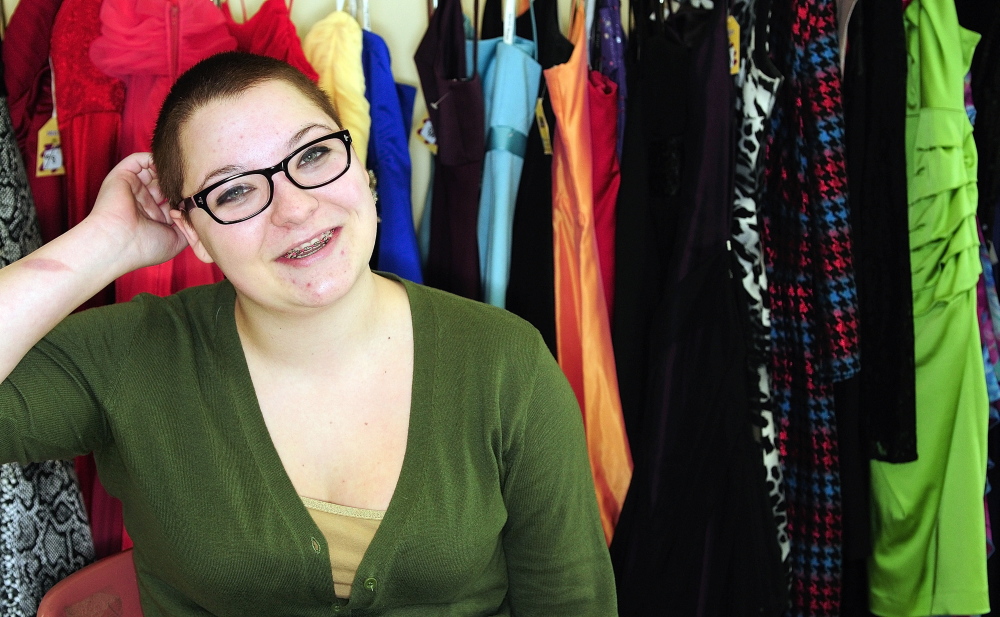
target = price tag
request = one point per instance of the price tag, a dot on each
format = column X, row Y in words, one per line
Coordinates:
column 50, row 156
column 733, row 27
column 543, row 127
column 425, row 131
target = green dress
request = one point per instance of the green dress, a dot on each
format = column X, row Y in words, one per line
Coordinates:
column 929, row 554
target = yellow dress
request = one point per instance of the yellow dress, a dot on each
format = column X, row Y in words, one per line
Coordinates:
column 333, row 47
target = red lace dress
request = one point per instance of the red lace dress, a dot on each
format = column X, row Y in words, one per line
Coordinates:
column 148, row 44
column 29, row 91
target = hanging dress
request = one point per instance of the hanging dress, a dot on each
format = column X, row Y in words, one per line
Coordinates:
column 510, row 75
column 28, row 77
column 813, row 298
column 609, row 50
column 696, row 535
column 89, row 116
column 531, row 283
column 757, row 86
column 607, row 89
column 582, row 329
column 457, row 112
column 389, row 159
column 602, row 95
column 44, row 534
column 333, row 47
column 148, row 44
column 929, row 556
column 881, row 418
column 874, row 92
column 270, row 32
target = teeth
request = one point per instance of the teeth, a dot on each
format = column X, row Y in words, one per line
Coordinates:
column 308, row 248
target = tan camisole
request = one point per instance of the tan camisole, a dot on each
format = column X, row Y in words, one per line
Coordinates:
column 348, row 532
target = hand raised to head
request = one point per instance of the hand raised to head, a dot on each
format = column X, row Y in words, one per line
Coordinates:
column 132, row 210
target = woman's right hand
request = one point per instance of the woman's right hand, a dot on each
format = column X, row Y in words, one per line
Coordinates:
column 132, row 210
column 128, row 228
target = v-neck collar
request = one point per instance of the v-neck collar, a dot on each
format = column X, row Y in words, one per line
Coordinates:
column 244, row 405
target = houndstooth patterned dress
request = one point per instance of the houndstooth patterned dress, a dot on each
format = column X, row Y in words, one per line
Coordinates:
column 812, row 292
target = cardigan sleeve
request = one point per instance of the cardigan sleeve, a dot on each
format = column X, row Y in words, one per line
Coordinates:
column 52, row 404
column 557, row 559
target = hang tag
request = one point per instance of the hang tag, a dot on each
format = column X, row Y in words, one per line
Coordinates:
column 426, row 134
column 733, row 27
column 543, row 127
column 50, row 157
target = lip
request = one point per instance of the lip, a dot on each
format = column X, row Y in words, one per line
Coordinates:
column 334, row 234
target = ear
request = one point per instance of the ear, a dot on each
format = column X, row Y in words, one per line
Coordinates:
column 194, row 240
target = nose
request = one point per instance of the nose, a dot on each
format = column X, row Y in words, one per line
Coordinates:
column 291, row 205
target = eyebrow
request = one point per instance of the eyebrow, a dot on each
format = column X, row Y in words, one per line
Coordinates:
column 293, row 142
column 225, row 170
column 228, row 170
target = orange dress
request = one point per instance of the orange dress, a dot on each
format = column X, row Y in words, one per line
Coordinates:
column 583, row 331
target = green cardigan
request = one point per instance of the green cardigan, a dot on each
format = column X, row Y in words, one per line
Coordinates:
column 494, row 512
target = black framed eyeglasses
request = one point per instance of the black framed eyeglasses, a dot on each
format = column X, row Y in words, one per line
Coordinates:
column 245, row 195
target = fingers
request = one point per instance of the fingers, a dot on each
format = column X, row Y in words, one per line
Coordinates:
column 140, row 172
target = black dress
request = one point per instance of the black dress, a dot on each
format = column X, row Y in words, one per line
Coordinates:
column 457, row 111
column 696, row 534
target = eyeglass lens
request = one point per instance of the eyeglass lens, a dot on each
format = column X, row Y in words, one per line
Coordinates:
column 245, row 196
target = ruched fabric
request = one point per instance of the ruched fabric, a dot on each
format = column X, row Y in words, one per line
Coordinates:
column 929, row 555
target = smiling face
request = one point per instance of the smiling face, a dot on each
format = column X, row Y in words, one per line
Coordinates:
column 309, row 247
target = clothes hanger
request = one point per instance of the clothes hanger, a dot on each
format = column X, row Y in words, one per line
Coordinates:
column 509, row 17
column 590, row 6
column 475, row 41
column 366, row 16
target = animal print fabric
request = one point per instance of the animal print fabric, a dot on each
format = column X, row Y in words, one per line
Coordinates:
column 44, row 533
column 19, row 234
column 756, row 93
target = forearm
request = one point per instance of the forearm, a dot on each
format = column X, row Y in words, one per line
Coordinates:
column 40, row 290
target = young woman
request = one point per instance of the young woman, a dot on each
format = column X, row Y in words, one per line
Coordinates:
column 307, row 437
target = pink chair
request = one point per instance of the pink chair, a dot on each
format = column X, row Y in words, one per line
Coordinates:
column 106, row 588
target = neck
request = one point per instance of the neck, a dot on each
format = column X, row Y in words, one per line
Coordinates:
column 313, row 337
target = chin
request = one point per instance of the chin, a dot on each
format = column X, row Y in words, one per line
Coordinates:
column 324, row 291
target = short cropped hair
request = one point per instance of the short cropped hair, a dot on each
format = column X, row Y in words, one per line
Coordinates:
column 225, row 75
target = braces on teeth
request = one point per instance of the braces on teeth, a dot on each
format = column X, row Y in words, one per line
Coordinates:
column 309, row 249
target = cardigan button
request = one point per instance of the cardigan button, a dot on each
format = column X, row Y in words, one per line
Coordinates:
column 316, row 547
column 370, row 583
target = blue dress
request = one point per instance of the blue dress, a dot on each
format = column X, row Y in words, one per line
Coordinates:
column 389, row 157
column 511, row 77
